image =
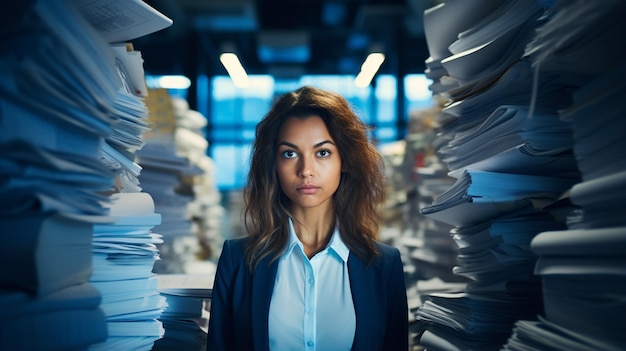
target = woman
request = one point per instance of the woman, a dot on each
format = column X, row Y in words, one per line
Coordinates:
column 310, row 275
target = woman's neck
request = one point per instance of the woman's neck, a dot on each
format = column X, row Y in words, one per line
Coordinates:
column 314, row 228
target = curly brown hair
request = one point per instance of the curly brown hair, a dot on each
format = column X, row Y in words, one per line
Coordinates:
column 361, row 187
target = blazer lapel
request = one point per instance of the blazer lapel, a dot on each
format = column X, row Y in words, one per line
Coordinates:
column 362, row 299
column 262, row 288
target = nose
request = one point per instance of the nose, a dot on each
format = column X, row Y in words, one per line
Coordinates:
column 305, row 167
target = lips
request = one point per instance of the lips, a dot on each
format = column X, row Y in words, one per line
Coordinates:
column 308, row 189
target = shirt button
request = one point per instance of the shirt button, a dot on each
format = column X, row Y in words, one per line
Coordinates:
column 309, row 343
column 310, row 280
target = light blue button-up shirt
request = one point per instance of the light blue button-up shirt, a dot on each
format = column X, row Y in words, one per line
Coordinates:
column 311, row 307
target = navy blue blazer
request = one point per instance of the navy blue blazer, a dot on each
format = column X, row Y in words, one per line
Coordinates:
column 240, row 302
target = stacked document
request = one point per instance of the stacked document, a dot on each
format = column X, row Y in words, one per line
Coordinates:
column 480, row 41
column 582, row 267
column 476, row 67
column 60, row 103
column 186, row 318
column 544, row 335
column 505, row 141
column 56, row 110
column 510, row 129
column 579, row 39
column 118, row 23
column 600, row 147
column 602, row 202
column 479, row 322
column 478, row 196
column 44, row 287
column 56, row 97
column 496, row 254
column 496, row 215
column 513, row 87
column 497, row 259
column 433, row 252
column 206, row 208
column 124, row 253
column 426, row 245
column 161, row 176
column 121, row 21
column 69, row 318
column 584, row 282
column 443, row 22
column 131, row 114
column 46, row 252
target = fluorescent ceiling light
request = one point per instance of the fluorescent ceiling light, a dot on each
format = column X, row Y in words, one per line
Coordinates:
column 368, row 69
column 168, row 82
column 235, row 70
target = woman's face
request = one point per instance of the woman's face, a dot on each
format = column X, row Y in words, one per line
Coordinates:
column 308, row 164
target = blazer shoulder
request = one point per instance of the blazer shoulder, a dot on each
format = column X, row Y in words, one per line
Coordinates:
column 236, row 244
column 388, row 256
column 387, row 251
column 233, row 251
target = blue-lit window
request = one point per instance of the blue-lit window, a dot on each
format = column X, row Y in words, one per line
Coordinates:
column 234, row 113
column 417, row 92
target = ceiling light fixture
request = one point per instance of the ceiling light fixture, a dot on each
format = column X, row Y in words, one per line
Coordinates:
column 167, row 82
column 174, row 82
column 235, row 70
column 368, row 69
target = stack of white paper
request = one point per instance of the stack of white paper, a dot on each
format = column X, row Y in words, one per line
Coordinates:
column 433, row 252
column 472, row 43
column 579, row 39
column 504, row 140
column 496, row 216
column 496, row 254
column 60, row 102
column 584, row 281
column 161, row 177
column 56, row 95
column 121, row 21
column 124, row 253
column 118, row 23
column 426, row 245
column 513, row 87
column 206, row 208
column 66, row 319
column 582, row 268
column 186, row 317
column 544, row 335
column 482, row 321
column 56, row 109
column 442, row 24
column 478, row 196
column 506, row 129
column 132, row 120
column 600, row 147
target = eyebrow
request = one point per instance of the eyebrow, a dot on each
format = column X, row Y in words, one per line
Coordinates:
column 286, row 143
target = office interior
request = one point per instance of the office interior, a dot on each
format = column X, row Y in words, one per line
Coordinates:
column 125, row 135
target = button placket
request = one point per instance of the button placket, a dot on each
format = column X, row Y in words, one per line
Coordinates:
column 310, row 300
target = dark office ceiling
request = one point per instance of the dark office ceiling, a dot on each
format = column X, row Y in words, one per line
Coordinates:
column 287, row 38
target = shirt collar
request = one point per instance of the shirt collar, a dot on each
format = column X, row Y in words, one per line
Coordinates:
column 335, row 245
